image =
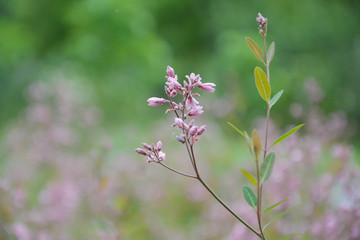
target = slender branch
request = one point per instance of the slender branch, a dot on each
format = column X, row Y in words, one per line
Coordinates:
column 193, row 156
column 227, row 208
column 175, row 171
column 266, row 60
column 258, row 207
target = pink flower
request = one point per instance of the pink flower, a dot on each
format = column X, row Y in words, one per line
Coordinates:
column 173, row 94
column 161, row 156
column 147, row 146
column 154, row 101
column 193, row 131
column 262, row 21
column 141, row 151
column 173, row 82
column 193, row 78
column 170, row 71
column 191, row 102
column 178, row 123
column 207, row 87
column 159, row 145
column 201, row 129
column 196, row 110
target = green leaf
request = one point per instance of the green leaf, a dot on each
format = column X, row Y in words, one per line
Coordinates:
column 249, row 142
column 245, row 135
column 256, row 142
column 262, row 84
column 255, row 49
column 271, row 52
column 249, row 177
column 286, row 135
column 237, row 129
column 275, row 98
column 278, row 217
column 290, row 236
column 249, row 196
column 266, row 167
column 275, row 205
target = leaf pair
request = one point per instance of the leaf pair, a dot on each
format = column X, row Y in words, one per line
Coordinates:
column 258, row 53
column 264, row 88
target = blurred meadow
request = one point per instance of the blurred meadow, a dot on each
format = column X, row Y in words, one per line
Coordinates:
column 74, row 80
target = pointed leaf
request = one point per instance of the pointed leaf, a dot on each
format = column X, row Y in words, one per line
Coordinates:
column 275, row 98
column 266, row 167
column 255, row 49
column 275, row 205
column 237, row 129
column 262, row 84
column 246, row 136
column 286, row 135
column 256, row 142
column 271, row 52
column 290, row 236
column 249, row 177
column 249, row 196
column 249, row 142
column 279, row 217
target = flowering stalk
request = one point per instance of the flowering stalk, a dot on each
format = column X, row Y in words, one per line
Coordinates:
column 189, row 107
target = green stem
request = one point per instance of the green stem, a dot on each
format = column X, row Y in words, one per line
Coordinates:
column 227, row 208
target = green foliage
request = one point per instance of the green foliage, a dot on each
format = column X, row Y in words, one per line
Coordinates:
column 256, row 50
column 121, row 49
column 279, row 216
column 275, row 205
column 246, row 136
column 271, row 52
column 290, row 236
column 236, row 129
column 266, row 167
column 256, row 143
column 286, row 135
column 262, row 84
column 249, row 177
column 250, row 196
column 275, row 98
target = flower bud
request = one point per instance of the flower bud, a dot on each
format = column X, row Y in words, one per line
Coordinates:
column 197, row 110
column 193, row 131
column 141, row 151
column 180, row 139
column 209, row 87
column 178, row 123
column 173, row 94
column 162, row 156
column 201, row 129
column 147, row 146
column 170, row 71
column 154, row 101
column 159, row 145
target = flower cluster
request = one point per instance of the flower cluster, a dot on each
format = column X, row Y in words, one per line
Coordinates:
column 190, row 131
column 153, row 153
column 188, row 107
column 262, row 23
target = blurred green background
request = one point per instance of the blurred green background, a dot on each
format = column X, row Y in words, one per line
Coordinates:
column 115, row 53
column 120, row 48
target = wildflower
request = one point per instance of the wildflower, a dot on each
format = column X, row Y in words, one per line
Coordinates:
column 201, row 130
column 141, row 151
column 154, row 154
column 209, row 87
column 154, row 101
column 262, row 22
column 197, row 110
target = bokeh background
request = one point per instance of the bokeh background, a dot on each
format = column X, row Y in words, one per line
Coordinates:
column 75, row 77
